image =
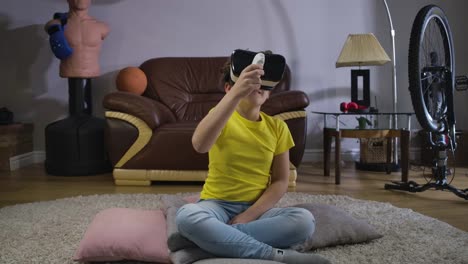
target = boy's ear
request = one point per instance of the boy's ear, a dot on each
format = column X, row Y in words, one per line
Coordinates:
column 227, row 87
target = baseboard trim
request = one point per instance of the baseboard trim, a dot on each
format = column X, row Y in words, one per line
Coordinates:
column 310, row 155
column 26, row 159
column 314, row 155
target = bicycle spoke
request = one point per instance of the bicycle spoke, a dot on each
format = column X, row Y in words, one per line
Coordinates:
column 427, row 88
column 425, row 78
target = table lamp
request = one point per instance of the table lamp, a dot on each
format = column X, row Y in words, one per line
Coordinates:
column 361, row 50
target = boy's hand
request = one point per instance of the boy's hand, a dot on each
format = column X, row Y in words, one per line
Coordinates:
column 249, row 80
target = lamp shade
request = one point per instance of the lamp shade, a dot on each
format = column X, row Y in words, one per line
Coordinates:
column 362, row 50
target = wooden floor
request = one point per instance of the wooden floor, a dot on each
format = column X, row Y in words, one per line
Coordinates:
column 32, row 184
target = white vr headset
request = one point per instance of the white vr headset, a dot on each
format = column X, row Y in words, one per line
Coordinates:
column 273, row 65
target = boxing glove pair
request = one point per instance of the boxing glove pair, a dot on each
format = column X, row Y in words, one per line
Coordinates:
column 58, row 42
column 351, row 107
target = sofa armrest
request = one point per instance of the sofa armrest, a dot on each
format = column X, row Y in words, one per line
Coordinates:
column 285, row 101
column 152, row 112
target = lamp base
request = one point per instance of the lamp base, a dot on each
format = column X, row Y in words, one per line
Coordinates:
column 364, row 98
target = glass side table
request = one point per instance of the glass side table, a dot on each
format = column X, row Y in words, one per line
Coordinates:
column 377, row 125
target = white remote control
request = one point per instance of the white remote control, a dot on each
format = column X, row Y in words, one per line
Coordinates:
column 259, row 59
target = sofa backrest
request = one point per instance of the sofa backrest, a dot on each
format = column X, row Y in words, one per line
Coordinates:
column 190, row 86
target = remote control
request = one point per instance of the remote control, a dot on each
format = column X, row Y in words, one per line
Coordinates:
column 259, row 59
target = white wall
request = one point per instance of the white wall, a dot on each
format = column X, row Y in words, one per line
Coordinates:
column 309, row 33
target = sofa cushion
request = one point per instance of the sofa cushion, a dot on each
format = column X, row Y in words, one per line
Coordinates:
column 191, row 86
column 176, row 82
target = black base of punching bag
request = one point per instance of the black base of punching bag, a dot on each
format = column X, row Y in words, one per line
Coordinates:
column 75, row 145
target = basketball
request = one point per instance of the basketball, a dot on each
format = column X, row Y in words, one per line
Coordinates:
column 131, row 79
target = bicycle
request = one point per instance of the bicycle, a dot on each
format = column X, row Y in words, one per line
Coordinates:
column 431, row 73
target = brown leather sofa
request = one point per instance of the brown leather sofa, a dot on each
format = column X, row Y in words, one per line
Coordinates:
column 149, row 136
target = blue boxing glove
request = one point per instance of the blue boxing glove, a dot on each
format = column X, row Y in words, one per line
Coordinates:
column 57, row 40
column 62, row 17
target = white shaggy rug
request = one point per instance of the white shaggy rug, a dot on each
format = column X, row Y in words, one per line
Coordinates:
column 49, row 232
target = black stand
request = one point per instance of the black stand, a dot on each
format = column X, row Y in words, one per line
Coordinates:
column 413, row 187
column 75, row 145
column 439, row 172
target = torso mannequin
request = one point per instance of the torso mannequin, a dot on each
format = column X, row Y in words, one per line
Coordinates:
column 85, row 35
column 75, row 145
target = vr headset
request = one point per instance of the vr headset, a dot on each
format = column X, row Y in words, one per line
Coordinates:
column 274, row 65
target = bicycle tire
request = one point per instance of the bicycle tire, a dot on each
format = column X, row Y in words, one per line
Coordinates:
column 424, row 16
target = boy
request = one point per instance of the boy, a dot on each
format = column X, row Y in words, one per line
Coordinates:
column 235, row 215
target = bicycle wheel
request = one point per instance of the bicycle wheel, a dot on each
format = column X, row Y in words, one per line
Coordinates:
column 431, row 67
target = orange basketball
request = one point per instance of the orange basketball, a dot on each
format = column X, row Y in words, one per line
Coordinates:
column 131, row 79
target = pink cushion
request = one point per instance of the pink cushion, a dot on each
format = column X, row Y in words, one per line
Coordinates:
column 125, row 234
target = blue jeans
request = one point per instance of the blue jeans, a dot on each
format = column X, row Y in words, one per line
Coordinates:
column 205, row 224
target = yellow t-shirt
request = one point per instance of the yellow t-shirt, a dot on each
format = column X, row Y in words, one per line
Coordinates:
column 241, row 158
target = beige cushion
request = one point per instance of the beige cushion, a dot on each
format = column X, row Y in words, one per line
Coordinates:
column 235, row 261
column 335, row 227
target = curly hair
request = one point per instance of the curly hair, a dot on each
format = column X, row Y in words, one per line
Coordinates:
column 226, row 71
